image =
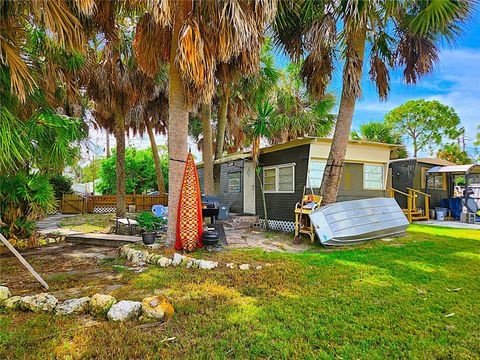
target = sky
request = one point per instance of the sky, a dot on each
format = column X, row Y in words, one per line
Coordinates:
column 455, row 82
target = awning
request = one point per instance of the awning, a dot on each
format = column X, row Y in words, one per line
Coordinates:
column 456, row 169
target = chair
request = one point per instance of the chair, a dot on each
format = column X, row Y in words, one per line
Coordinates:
column 160, row 211
column 303, row 225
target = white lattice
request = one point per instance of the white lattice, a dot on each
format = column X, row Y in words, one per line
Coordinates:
column 280, row 225
column 104, row 210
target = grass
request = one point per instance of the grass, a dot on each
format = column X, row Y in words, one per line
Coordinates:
column 378, row 300
column 88, row 222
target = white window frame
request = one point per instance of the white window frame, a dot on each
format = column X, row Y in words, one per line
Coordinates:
column 277, row 178
column 229, row 189
column 309, row 175
column 383, row 176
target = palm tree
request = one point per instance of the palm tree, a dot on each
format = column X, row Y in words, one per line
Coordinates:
column 298, row 114
column 207, row 148
column 260, row 127
column 17, row 18
column 377, row 131
column 398, row 34
column 193, row 37
column 113, row 86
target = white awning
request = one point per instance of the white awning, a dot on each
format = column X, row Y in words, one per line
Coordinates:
column 455, row 169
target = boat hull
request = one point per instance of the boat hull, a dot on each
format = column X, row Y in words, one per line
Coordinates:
column 358, row 221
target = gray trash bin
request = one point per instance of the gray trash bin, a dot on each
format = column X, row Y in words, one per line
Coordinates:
column 224, row 212
column 441, row 213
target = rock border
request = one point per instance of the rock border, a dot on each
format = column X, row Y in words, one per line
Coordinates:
column 142, row 257
column 99, row 305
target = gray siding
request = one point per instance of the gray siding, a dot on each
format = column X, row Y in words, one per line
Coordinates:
column 280, row 206
column 234, row 200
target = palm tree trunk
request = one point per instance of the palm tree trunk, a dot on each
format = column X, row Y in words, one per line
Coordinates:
column 265, row 215
column 156, row 157
column 222, row 125
column 207, row 153
column 333, row 169
column 107, row 144
column 177, row 127
column 120, row 167
column 220, row 138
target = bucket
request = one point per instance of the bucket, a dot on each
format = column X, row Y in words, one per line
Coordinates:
column 441, row 213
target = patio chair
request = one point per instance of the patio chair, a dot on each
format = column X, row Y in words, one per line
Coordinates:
column 160, row 211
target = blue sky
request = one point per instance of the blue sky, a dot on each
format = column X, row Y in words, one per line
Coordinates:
column 455, row 81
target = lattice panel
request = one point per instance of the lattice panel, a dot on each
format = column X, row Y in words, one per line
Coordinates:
column 104, row 210
column 280, row 225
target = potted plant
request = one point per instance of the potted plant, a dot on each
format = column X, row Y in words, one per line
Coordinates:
column 149, row 223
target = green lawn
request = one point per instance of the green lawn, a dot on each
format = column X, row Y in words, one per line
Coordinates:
column 379, row 300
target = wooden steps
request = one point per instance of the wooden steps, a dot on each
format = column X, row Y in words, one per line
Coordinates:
column 102, row 239
column 416, row 215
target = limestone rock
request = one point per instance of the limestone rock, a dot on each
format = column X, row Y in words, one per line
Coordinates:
column 73, row 306
column 101, row 303
column 231, row 265
column 12, row 302
column 244, row 267
column 125, row 310
column 258, row 267
column 205, row 264
column 4, row 293
column 139, row 257
column 164, row 261
column 157, row 307
column 177, row 259
column 193, row 263
column 39, row 302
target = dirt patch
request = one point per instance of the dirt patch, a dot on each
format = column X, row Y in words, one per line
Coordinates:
column 69, row 269
column 271, row 241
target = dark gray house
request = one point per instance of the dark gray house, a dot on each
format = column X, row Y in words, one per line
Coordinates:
column 411, row 173
column 287, row 168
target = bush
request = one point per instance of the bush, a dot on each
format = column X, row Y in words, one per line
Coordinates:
column 148, row 221
column 61, row 185
column 24, row 199
column 140, row 172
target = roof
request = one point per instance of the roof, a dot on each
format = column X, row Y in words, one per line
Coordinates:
column 432, row 161
column 295, row 143
column 459, row 169
column 313, row 139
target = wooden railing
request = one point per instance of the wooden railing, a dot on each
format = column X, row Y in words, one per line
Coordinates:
column 426, row 198
column 79, row 204
column 412, row 212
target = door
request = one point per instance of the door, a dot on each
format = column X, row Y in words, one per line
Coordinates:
column 248, row 188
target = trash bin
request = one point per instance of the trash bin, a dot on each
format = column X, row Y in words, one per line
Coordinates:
column 441, row 213
column 224, row 213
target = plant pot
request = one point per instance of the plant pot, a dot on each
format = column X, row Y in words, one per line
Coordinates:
column 148, row 238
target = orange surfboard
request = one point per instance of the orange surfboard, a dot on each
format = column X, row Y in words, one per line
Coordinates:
column 189, row 219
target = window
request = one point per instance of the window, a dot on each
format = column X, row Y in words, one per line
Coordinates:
column 437, row 182
column 279, row 178
column 315, row 175
column 373, row 177
column 234, row 182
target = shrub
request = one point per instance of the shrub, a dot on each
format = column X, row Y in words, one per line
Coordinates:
column 24, row 199
column 140, row 172
column 148, row 221
column 61, row 185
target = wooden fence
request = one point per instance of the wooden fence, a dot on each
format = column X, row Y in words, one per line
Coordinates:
column 80, row 204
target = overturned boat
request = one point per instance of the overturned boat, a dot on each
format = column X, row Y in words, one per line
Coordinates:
column 357, row 221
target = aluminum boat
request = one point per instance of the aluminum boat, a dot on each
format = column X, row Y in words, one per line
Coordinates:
column 357, row 221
